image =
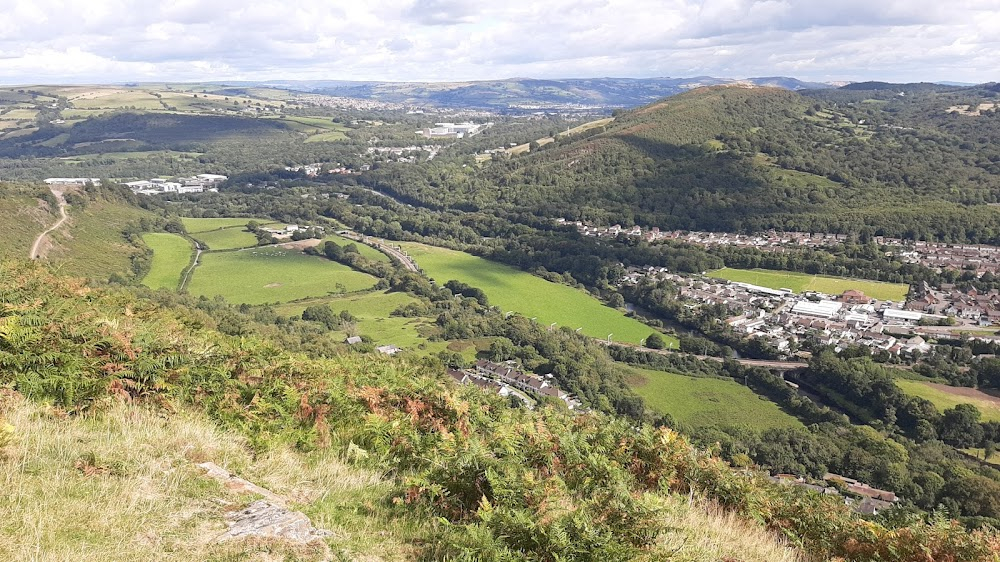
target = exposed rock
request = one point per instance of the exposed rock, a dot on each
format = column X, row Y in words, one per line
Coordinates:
column 263, row 519
column 237, row 484
column 268, row 518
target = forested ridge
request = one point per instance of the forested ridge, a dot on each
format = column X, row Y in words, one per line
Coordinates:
column 747, row 159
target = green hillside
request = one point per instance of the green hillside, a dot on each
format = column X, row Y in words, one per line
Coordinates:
column 360, row 442
column 748, row 159
column 25, row 215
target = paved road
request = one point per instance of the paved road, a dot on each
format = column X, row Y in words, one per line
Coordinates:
column 33, row 254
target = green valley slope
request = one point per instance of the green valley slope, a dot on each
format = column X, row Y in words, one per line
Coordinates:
column 445, row 472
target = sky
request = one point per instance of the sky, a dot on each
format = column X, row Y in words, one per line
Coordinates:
column 109, row 41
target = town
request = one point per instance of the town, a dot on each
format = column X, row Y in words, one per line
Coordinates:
column 507, row 380
column 934, row 255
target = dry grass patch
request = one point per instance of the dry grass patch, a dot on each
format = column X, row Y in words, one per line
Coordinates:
column 706, row 534
column 124, row 485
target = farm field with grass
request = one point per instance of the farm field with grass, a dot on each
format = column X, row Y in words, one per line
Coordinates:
column 230, row 238
column 193, row 225
column 528, row 295
column 372, row 311
column 115, row 99
column 171, row 254
column 944, row 397
column 800, row 282
column 272, row 275
column 707, row 402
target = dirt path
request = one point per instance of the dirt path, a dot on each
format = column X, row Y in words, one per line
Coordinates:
column 197, row 258
column 58, row 193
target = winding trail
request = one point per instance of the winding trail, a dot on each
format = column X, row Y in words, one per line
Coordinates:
column 33, row 254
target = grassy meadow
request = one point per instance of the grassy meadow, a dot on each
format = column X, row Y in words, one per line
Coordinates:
column 800, row 282
column 372, row 311
column 528, row 295
column 226, row 238
column 944, row 397
column 171, row 254
column 273, row 275
column 706, row 402
column 194, row 226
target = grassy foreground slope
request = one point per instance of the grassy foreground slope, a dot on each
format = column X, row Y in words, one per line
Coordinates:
column 528, row 295
column 123, row 484
column 467, row 477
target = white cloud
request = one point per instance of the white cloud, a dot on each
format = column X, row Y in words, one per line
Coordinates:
column 133, row 40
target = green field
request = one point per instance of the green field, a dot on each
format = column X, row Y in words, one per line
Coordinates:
column 945, row 397
column 800, row 282
column 531, row 296
column 363, row 249
column 328, row 136
column 118, row 99
column 373, row 313
column 171, row 254
column 226, row 238
column 204, row 225
column 705, row 402
column 273, row 275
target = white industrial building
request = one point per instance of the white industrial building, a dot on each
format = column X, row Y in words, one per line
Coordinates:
column 895, row 316
column 820, row 309
column 455, row 130
column 72, row 181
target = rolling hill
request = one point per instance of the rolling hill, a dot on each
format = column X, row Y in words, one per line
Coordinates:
column 531, row 93
column 754, row 158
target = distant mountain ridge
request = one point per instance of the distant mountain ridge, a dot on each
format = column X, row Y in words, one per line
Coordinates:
column 528, row 93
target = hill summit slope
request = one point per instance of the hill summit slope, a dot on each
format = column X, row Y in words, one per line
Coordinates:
column 740, row 158
column 406, row 465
